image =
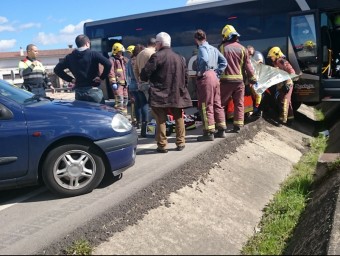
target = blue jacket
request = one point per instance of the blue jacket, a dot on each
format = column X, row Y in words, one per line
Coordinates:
column 130, row 76
column 209, row 57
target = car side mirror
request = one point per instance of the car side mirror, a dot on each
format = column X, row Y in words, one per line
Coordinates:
column 5, row 114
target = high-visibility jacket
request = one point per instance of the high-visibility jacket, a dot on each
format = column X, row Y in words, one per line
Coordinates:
column 117, row 73
column 33, row 75
column 238, row 59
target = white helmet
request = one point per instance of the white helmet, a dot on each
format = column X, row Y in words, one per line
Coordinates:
column 258, row 57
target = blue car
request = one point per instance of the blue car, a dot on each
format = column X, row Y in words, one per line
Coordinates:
column 67, row 144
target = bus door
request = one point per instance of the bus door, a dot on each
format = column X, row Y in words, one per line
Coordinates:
column 330, row 52
column 312, row 51
column 303, row 53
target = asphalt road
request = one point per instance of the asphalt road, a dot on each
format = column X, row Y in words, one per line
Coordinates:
column 34, row 221
column 33, row 218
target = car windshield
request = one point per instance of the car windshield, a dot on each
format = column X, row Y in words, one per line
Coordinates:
column 15, row 93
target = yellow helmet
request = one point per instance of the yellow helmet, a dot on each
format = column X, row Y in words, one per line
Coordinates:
column 130, row 48
column 117, row 47
column 228, row 32
column 275, row 52
column 309, row 45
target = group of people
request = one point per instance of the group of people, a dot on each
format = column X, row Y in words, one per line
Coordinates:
column 155, row 76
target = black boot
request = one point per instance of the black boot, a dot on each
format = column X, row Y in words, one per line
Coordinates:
column 143, row 130
column 220, row 134
column 207, row 136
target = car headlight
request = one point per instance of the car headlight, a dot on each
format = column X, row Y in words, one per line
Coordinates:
column 120, row 123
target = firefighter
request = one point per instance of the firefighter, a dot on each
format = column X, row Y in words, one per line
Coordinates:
column 258, row 58
column 210, row 65
column 33, row 72
column 284, row 89
column 232, row 80
column 117, row 77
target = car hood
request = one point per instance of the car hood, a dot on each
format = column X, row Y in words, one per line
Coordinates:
column 72, row 118
column 76, row 106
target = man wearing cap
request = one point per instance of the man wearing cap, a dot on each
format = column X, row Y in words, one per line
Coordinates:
column 166, row 71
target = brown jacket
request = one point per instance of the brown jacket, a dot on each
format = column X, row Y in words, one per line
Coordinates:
column 166, row 71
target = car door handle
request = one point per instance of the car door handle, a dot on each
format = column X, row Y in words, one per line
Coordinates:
column 7, row 160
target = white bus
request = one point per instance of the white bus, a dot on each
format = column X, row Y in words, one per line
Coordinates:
column 303, row 29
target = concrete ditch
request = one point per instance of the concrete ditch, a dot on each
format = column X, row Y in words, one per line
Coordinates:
column 221, row 217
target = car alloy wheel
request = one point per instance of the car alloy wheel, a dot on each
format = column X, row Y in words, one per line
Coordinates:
column 73, row 169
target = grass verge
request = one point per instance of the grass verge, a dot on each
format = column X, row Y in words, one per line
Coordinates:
column 282, row 214
column 81, row 247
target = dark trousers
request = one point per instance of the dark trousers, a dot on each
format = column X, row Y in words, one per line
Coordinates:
column 141, row 106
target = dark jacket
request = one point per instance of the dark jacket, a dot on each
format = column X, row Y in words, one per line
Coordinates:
column 84, row 65
column 166, row 71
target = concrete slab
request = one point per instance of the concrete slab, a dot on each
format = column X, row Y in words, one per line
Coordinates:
column 219, row 213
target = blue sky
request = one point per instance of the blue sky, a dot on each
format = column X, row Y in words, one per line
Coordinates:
column 55, row 24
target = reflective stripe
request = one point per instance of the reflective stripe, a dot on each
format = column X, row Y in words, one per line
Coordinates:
column 258, row 99
column 34, row 75
column 211, row 128
column 248, row 109
column 222, row 125
column 239, row 123
column 232, row 77
column 205, row 118
column 284, row 114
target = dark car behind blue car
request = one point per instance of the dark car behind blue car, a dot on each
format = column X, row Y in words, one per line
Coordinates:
column 69, row 144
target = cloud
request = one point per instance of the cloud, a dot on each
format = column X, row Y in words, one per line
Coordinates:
column 65, row 36
column 52, row 19
column 74, row 29
column 7, row 44
column 3, row 20
column 6, row 28
column 30, row 25
column 192, row 2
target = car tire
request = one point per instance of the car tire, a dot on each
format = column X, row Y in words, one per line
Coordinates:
column 73, row 169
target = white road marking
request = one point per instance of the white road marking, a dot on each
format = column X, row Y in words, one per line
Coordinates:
column 22, row 198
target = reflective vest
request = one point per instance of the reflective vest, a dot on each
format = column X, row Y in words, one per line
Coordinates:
column 33, row 75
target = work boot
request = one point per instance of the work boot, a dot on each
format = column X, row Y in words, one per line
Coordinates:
column 143, row 130
column 220, row 134
column 207, row 136
column 236, row 129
